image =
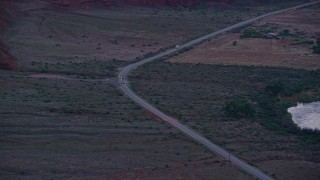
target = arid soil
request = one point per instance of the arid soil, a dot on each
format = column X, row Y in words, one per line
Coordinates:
column 261, row 51
column 56, row 128
column 61, row 129
column 56, row 36
column 151, row 3
column 60, row 38
column 196, row 93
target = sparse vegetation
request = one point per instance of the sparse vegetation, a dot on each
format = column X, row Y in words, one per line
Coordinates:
column 289, row 83
column 86, row 69
column 54, row 128
column 198, row 101
column 72, row 121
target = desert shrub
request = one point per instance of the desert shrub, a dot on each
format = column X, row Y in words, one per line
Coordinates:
column 285, row 32
column 275, row 87
column 251, row 33
column 282, row 105
column 305, row 98
column 234, row 43
column 316, row 48
column 239, row 107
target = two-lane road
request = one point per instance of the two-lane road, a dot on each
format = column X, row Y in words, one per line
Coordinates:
column 123, row 81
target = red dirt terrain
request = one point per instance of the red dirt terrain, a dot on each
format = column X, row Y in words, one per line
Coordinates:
column 51, row 38
column 174, row 3
column 58, row 129
column 284, row 52
column 6, row 60
column 150, row 2
column 8, row 14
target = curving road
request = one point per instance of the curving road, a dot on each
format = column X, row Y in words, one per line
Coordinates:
column 124, row 86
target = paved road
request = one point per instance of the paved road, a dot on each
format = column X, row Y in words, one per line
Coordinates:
column 123, row 80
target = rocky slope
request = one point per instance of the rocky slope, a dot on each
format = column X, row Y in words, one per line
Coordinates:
column 8, row 12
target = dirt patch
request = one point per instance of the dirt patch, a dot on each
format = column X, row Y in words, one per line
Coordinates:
column 231, row 50
column 6, row 60
column 8, row 14
column 303, row 20
column 49, row 76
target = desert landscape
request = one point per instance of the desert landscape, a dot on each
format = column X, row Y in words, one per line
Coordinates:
column 195, row 85
column 291, row 50
column 63, row 114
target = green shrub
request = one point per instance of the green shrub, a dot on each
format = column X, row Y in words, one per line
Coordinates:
column 305, row 98
column 239, row 107
column 234, row 43
column 285, row 32
column 283, row 105
column 251, row 33
column 316, row 48
column 275, row 87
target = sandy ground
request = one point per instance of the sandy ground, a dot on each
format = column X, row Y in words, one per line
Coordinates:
column 262, row 52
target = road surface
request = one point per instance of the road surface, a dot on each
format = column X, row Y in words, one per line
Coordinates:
column 124, row 86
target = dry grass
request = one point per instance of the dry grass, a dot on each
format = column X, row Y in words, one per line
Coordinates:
column 196, row 93
column 263, row 52
column 45, row 35
column 58, row 128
